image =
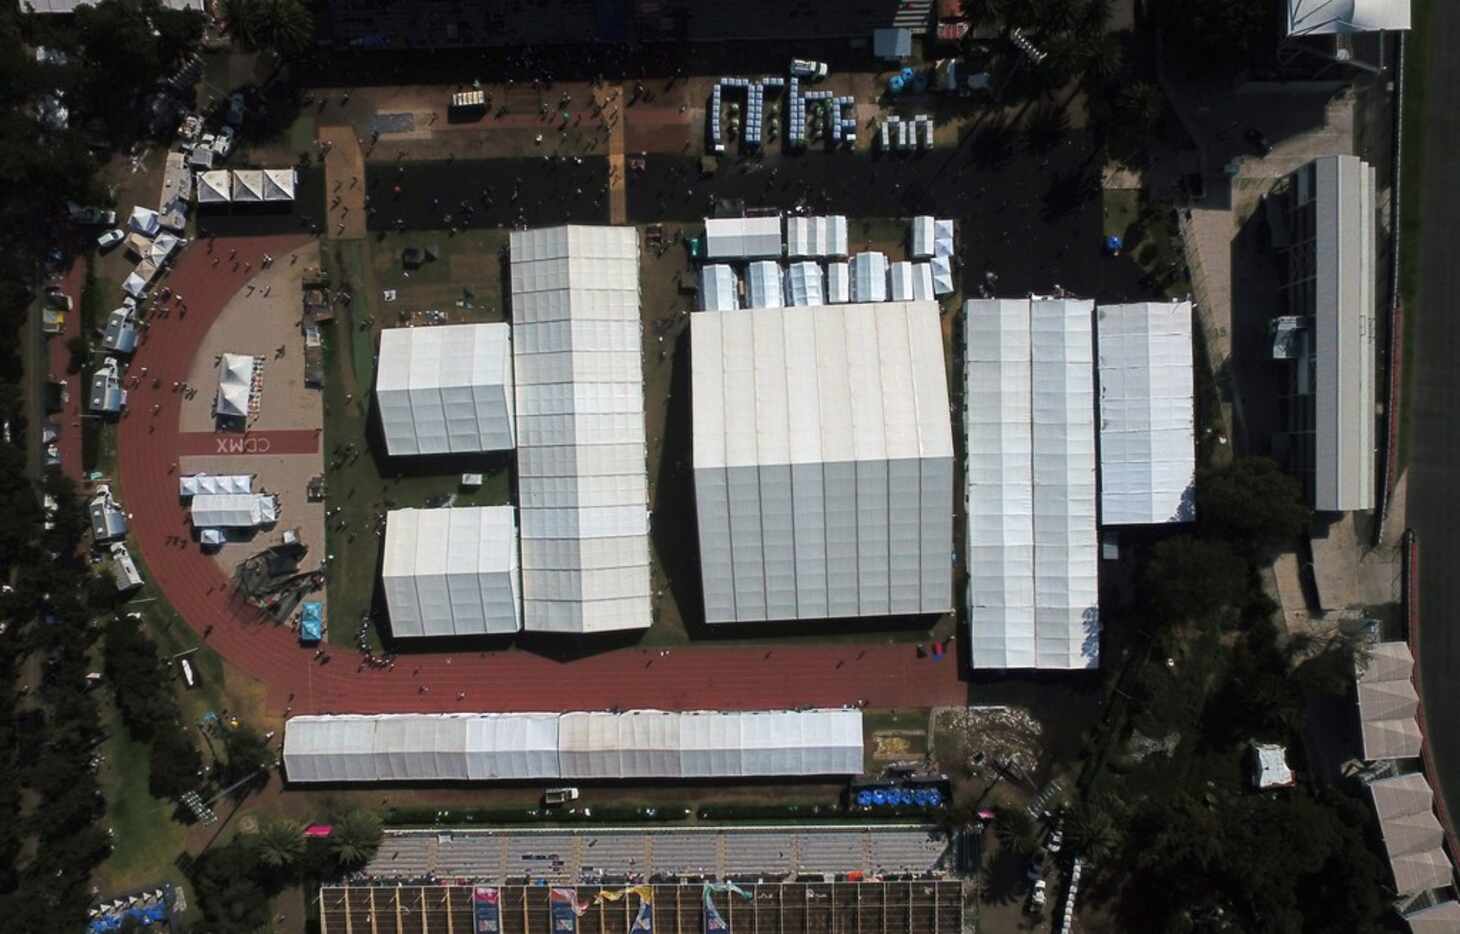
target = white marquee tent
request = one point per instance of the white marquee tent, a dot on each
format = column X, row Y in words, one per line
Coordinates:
column 235, row 385
column 718, row 288
column 162, row 248
column 869, row 277
column 1032, row 546
column 838, row 283
column 743, row 237
column 943, row 237
column 446, row 389
column 816, row 236
column 144, row 221
column 1329, row 17
column 214, row 187
column 900, row 279
column 248, row 186
column 233, row 511
column 279, row 184
column 193, row 484
column 140, row 278
column 451, row 572
column 637, row 744
column 942, row 272
column 1147, row 419
column 803, row 284
column 823, row 462
column 921, row 246
column 1388, row 704
column 582, row 478
column 763, row 285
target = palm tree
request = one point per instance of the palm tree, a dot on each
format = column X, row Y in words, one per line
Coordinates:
column 283, row 27
column 279, row 843
column 1016, row 829
column 355, row 839
column 1091, row 831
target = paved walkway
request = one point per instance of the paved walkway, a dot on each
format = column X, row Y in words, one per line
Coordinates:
column 703, row 676
column 283, row 441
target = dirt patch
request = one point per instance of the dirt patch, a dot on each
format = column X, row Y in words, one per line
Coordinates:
column 982, row 742
column 344, row 177
column 887, row 747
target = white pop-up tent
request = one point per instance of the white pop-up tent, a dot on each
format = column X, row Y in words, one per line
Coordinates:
column 162, row 248
column 144, row 221
column 204, row 483
column 452, row 572
column 446, row 389
column 838, row 283
column 248, row 186
column 900, row 279
column 279, row 184
column 921, row 246
column 943, row 237
column 140, row 278
column 234, row 511
column 235, row 385
column 942, row 272
column 214, row 187
column 922, row 282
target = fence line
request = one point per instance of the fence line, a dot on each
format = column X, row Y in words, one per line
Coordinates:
column 1389, row 459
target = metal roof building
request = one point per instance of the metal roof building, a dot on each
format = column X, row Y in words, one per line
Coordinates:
column 1029, row 417
column 582, row 476
column 446, row 389
column 1388, row 703
column 451, row 572
column 1332, row 17
column 743, row 237
column 646, row 744
column 823, row 462
column 1147, row 418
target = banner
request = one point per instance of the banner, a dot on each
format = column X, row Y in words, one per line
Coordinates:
column 714, row 921
column 730, row 887
column 644, row 920
column 486, row 910
column 645, row 893
column 564, row 909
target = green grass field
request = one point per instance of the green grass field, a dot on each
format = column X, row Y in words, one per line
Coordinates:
column 145, row 838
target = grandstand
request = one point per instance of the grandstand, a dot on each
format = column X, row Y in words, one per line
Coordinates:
column 567, row 856
column 919, row 906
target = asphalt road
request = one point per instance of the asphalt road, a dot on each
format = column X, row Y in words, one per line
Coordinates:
column 1435, row 398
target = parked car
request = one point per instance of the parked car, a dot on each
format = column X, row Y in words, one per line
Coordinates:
column 1055, row 841
column 559, row 795
column 805, row 68
column 1040, row 895
column 1259, row 141
column 110, row 239
column 223, row 142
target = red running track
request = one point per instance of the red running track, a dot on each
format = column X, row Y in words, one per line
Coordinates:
column 686, row 677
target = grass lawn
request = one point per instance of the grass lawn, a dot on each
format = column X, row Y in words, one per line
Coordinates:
column 364, row 485
column 145, row 838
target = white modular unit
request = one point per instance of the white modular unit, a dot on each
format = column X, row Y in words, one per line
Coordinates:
column 743, row 237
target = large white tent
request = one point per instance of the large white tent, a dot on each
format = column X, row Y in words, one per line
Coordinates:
column 803, row 284
column 235, row 385
column 446, row 389
column 763, row 285
column 582, row 478
column 1147, row 420
column 1032, row 545
column 451, row 572
column 816, row 236
column 921, row 237
column 1413, row 838
column 233, row 510
column 869, row 277
column 193, row 484
column 279, row 184
column 743, row 237
column 823, row 462
column 214, row 187
column 718, row 288
column 636, row 744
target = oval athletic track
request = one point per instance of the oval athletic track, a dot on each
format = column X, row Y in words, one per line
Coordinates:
column 722, row 676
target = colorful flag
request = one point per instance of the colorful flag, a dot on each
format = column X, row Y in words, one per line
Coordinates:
column 486, row 910
column 714, row 921
column 644, row 920
column 564, row 908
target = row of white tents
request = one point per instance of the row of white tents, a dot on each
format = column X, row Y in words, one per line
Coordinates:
column 869, row 277
column 636, row 744
column 246, row 186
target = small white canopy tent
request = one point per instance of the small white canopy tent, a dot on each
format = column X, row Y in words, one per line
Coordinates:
column 214, row 187
column 234, row 511
column 718, row 288
column 248, row 186
column 204, row 483
column 943, row 237
column 901, row 278
column 922, row 282
column 279, row 184
column 162, row 248
column 838, row 283
column 942, row 271
column 139, row 278
column 235, row 385
column 144, row 221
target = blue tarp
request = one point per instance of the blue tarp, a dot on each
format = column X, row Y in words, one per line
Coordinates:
column 155, row 914
column 311, row 622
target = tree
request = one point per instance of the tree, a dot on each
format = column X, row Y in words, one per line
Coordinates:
column 279, row 843
column 175, row 764
column 1252, row 504
column 1091, row 829
column 355, row 838
column 1189, row 579
column 283, row 27
column 248, row 755
column 1016, row 829
column 230, row 889
column 1209, row 35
